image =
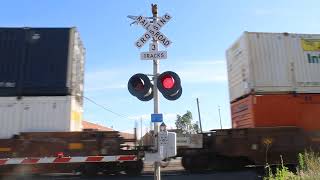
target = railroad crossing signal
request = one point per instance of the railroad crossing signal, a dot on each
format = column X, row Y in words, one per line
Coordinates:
column 140, row 85
column 168, row 83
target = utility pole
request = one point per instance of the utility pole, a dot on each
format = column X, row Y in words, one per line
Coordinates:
column 220, row 117
column 141, row 142
column 135, row 132
column 199, row 115
column 157, row 174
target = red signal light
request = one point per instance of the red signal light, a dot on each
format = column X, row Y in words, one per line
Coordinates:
column 167, row 82
column 169, row 85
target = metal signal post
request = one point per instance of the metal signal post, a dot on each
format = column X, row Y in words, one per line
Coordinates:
column 157, row 170
column 168, row 83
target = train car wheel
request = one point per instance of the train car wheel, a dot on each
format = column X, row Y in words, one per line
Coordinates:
column 134, row 168
column 187, row 162
column 111, row 168
column 90, row 169
column 199, row 163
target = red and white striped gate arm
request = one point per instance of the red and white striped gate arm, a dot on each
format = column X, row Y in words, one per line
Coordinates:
column 76, row 159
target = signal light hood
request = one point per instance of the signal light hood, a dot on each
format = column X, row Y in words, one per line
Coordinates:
column 139, row 85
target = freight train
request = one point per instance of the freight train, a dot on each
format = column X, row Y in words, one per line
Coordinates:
column 86, row 152
column 275, row 104
column 230, row 149
column 41, row 106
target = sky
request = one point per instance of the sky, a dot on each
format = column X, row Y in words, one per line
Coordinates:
column 200, row 31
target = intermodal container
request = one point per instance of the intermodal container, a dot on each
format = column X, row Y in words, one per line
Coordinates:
column 263, row 63
column 300, row 110
column 41, row 62
column 39, row 114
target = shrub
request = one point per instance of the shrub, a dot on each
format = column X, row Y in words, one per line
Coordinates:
column 282, row 173
column 308, row 169
column 309, row 166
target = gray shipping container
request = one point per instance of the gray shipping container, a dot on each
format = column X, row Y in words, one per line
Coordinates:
column 41, row 62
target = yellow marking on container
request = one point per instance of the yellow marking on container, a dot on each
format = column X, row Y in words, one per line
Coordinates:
column 76, row 116
column 5, row 149
column 310, row 44
column 75, row 146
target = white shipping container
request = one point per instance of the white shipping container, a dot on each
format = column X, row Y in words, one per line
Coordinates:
column 39, row 114
column 274, row 63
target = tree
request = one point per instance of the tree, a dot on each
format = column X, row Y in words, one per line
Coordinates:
column 196, row 128
column 184, row 124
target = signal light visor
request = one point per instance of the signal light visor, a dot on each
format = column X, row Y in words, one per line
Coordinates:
column 139, row 85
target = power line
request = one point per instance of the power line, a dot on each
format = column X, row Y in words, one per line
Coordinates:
column 107, row 109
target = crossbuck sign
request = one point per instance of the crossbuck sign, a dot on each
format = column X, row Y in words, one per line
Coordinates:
column 153, row 30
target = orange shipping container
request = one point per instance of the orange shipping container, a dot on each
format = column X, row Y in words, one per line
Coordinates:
column 301, row 110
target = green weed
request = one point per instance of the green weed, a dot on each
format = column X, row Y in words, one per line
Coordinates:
column 308, row 169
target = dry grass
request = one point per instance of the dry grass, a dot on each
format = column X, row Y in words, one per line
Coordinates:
column 308, row 169
column 309, row 166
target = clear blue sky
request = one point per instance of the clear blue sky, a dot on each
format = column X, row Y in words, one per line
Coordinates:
column 201, row 31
